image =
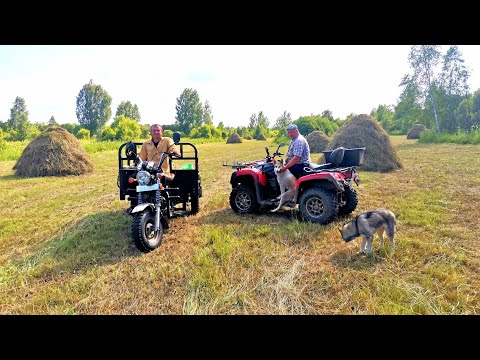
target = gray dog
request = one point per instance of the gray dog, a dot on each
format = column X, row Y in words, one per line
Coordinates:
column 367, row 224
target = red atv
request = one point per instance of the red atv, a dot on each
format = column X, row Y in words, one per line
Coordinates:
column 325, row 192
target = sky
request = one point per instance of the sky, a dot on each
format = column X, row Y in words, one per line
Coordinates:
column 237, row 80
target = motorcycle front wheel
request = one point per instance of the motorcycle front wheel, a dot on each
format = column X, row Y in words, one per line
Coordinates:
column 143, row 234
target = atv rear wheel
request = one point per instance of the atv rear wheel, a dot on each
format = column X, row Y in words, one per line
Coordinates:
column 318, row 205
column 351, row 198
column 243, row 200
column 143, row 234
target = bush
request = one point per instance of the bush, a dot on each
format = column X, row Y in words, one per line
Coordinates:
column 168, row 133
column 108, row 133
column 205, row 132
column 432, row 137
column 83, row 134
column 32, row 132
column 126, row 128
column 3, row 144
column 145, row 131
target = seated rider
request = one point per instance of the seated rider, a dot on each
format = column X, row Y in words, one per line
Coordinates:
column 151, row 151
column 153, row 148
column 298, row 154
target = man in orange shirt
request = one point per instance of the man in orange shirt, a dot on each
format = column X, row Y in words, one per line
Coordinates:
column 153, row 148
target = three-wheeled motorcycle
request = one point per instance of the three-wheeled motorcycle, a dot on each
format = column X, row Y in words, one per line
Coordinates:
column 156, row 198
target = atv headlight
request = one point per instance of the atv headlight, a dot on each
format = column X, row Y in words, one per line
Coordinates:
column 143, row 178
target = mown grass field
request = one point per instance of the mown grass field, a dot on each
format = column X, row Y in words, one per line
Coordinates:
column 65, row 245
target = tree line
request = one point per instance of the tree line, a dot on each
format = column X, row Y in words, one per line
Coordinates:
column 435, row 94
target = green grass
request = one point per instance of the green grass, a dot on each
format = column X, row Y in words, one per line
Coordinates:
column 65, row 245
column 432, row 137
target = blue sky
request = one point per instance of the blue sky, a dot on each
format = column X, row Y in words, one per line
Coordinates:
column 237, row 80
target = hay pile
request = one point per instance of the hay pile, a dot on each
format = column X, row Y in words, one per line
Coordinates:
column 234, row 139
column 249, row 137
column 55, row 152
column 317, row 141
column 261, row 137
column 364, row 131
column 415, row 131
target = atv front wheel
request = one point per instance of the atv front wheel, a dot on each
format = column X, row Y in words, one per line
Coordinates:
column 243, row 200
column 351, row 198
column 318, row 205
column 143, row 234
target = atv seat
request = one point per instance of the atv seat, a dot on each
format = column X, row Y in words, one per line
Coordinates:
column 321, row 166
column 332, row 160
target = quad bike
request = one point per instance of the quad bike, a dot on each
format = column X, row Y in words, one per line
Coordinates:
column 325, row 192
column 154, row 197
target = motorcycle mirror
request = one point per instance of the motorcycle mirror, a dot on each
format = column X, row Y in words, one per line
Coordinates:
column 176, row 137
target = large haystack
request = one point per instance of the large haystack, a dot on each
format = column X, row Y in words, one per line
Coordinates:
column 364, row 131
column 415, row 131
column 261, row 137
column 317, row 141
column 55, row 152
column 234, row 139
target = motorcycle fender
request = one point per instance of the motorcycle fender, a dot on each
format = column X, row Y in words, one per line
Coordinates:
column 141, row 207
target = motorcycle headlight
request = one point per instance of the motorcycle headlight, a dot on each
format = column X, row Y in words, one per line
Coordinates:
column 143, row 178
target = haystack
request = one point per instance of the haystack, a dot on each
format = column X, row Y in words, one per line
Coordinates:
column 364, row 131
column 317, row 141
column 415, row 131
column 249, row 137
column 55, row 152
column 261, row 137
column 234, row 139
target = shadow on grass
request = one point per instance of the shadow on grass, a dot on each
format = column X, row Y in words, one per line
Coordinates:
column 355, row 261
column 228, row 216
column 95, row 240
column 10, row 177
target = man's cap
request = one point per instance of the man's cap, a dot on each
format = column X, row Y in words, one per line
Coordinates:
column 292, row 127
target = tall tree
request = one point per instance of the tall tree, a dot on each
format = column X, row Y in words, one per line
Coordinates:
column 328, row 114
column 384, row 115
column 454, row 80
column 129, row 110
column 262, row 120
column 207, row 114
column 423, row 59
column 18, row 120
column 408, row 110
column 189, row 110
column 93, row 107
column 52, row 121
column 253, row 121
column 283, row 121
column 463, row 114
column 475, row 109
